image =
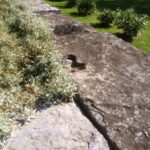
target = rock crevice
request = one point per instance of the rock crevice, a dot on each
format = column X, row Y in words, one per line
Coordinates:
column 99, row 127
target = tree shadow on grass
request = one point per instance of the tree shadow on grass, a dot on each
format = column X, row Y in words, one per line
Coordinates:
column 118, row 34
column 56, row 0
column 76, row 14
column 140, row 6
column 64, row 6
column 99, row 25
column 124, row 37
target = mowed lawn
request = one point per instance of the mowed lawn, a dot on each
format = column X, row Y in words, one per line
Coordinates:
column 142, row 41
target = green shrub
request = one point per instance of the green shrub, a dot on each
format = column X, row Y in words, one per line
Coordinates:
column 4, row 130
column 71, row 3
column 86, row 7
column 106, row 17
column 30, row 70
column 130, row 22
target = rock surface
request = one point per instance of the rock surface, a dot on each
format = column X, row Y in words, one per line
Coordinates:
column 40, row 7
column 67, row 28
column 114, row 84
column 60, row 127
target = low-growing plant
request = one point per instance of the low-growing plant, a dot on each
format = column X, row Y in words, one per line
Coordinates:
column 31, row 74
column 86, row 7
column 4, row 130
column 130, row 22
column 106, row 17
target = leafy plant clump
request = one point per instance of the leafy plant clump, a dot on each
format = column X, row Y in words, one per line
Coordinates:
column 106, row 17
column 4, row 130
column 31, row 74
column 130, row 22
column 86, row 7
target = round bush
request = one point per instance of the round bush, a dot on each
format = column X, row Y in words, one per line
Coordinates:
column 86, row 7
column 106, row 17
column 130, row 22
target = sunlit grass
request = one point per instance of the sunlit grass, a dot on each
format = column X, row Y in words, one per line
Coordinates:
column 141, row 42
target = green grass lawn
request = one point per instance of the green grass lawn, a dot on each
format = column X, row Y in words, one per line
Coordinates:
column 141, row 6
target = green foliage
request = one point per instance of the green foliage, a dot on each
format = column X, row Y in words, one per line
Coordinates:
column 86, row 7
column 71, row 3
column 106, row 17
column 130, row 22
column 141, row 7
column 31, row 74
column 4, row 130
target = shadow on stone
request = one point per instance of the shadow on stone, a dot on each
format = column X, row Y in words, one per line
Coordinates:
column 76, row 64
column 79, row 102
